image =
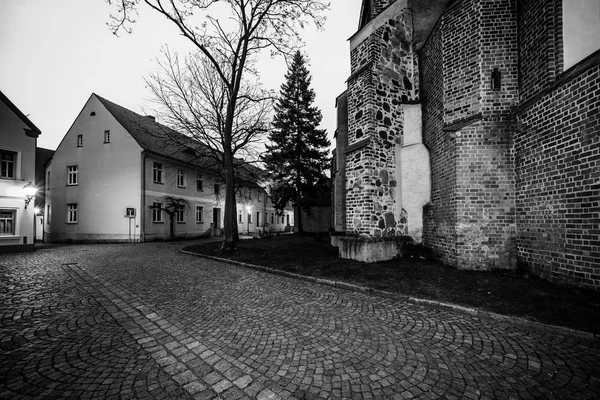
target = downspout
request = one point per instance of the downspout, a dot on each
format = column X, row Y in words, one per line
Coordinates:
column 143, row 198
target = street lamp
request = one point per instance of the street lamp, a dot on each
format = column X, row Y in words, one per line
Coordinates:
column 29, row 192
column 248, row 208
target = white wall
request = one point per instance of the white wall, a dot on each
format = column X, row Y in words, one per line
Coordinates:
column 109, row 180
column 13, row 138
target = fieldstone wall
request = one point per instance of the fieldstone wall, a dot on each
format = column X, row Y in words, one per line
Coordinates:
column 384, row 76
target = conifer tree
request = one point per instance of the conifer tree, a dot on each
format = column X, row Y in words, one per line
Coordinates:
column 298, row 153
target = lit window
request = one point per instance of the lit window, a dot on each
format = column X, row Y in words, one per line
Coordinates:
column 199, row 213
column 79, row 140
column 199, row 183
column 7, row 222
column 106, row 136
column 157, row 172
column 179, row 215
column 157, row 212
column 72, row 175
column 8, row 164
column 180, row 177
column 72, row 213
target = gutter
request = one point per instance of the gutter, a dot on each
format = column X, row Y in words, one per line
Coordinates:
column 143, row 197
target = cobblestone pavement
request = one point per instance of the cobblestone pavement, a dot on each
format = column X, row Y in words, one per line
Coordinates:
column 143, row 321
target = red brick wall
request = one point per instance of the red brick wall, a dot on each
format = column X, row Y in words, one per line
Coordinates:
column 558, row 182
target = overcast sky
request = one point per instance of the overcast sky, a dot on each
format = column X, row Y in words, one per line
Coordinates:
column 55, row 54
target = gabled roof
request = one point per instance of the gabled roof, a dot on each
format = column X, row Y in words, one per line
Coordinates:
column 33, row 130
column 155, row 137
column 160, row 139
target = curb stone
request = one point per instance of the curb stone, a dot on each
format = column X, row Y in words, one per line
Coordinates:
column 592, row 339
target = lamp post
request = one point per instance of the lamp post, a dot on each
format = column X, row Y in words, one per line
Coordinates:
column 248, row 208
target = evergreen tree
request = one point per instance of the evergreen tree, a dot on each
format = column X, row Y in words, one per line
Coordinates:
column 298, row 153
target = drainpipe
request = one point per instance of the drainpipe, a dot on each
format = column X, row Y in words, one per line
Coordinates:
column 143, row 198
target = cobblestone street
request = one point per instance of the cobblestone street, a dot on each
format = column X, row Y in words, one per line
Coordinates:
column 144, row 321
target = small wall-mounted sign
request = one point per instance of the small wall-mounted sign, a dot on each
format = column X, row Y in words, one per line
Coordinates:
column 130, row 213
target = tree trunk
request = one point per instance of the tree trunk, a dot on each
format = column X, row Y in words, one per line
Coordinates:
column 230, row 207
column 171, row 226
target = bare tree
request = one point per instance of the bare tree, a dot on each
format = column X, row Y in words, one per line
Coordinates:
column 171, row 206
column 231, row 45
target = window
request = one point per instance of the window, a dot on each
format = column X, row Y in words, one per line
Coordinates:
column 8, row 164
column 157, row 172
column 72, row 172
column 180, row 177
column 72, row 213
column 48, row 214
column 249, row 218
column 240, row 216
column 179, row 215
column 157, row 212
column 106, row 136
column 199, row 212
column 288, row 219
column 258, row 218
column 79, row 140
column 272, row 218
column 7, row 222
column 199, row 183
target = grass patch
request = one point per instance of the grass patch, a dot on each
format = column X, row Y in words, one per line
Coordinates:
column 503, row 292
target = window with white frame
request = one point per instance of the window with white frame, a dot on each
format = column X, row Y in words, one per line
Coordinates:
column 199, row 214
column 240, row 216
column 79, row 140
column 72, row 213
column 157, row 214
column 157, row 172
column 107, row 136
column 7, row 222
column 199, row 183
column 180, row 177
column 72, row 175
column 180, row 215
column 8, row 161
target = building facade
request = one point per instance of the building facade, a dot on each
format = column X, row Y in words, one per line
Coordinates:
column 497, row 103
column 18, row 138
column 117, row 176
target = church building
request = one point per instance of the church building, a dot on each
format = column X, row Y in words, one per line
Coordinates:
column 473, row 127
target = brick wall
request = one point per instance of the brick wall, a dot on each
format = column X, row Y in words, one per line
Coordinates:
column 439, row 220
column 558, row 182
column 540, row 44
column 467, row 127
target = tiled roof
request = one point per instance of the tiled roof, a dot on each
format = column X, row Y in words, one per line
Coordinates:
column 160, row 139
column 157, row 138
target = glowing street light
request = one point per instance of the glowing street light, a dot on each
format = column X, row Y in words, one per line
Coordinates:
column 29, row 191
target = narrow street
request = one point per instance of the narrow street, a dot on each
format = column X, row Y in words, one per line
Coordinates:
column 146, row 322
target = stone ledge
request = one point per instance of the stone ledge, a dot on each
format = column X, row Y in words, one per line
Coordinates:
column 357, row 145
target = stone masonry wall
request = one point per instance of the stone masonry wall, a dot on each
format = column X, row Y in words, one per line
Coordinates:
column 384, row 76
column 558, row 182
